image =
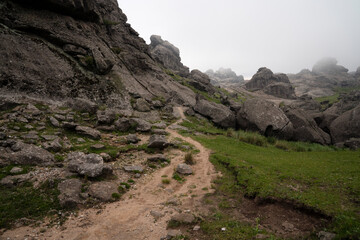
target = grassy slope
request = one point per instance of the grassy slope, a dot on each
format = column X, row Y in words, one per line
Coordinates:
column 322, row 178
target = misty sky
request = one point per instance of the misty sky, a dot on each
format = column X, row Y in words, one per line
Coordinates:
column 283, row 35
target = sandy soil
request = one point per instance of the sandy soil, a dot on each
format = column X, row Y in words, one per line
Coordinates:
column 130, row 218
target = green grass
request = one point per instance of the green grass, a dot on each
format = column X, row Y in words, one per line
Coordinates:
column 326, row 181
column 233, row 229
column 5, row 171
column 328, row 101
column 27, row 202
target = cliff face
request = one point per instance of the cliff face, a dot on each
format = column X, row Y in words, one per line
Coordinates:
column 76, row 48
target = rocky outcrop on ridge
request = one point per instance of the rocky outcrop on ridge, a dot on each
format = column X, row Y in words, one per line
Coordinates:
column 264, row 117
column 273, row 84
column 224, row 77
column 326, row 75
column 168, row 55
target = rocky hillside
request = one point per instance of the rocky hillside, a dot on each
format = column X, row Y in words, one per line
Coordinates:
column 325, row 76
column 225, row 77
column 67, row 49
column 76, row 54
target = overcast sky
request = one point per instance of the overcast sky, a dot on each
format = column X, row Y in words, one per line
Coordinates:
column 283, row 35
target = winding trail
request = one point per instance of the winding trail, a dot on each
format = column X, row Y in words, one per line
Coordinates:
column 130, row 218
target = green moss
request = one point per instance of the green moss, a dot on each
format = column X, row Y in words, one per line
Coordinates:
column 178, row 178
column 116, row 50
column 109, row 23
column 25, row 201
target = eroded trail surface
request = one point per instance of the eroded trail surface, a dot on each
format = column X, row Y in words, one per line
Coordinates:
column 131, row 218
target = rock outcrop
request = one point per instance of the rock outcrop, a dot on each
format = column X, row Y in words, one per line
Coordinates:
column 264, row 117
column 325, row 76
column 201, row 81
column 219, row 114
column 273, row 84
column 168, row 55
column 346, row 126
column 305, row 128
column 224, row 77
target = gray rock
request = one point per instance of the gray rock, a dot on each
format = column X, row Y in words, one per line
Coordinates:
column 201, row 81
column 184, row 218
column 157, row 157
column 80, row 140
column 268, row 119
column 168, row 55
column 196, row 228
column 171, row 234
column 281, row 90
column 60, row 117
column 89, row 132
column 11, row 181
column 28, row 154
column 265, row 77
column 142, row 105
column 184, row 169
column 54, row 122
column 70, row 190
column 157, row 141
column 106, row 117
column 161, row 125
column 31, row 135
column 353, row 143
column 156, row 214
column 132, row 138
column 98, row 146
column 82, row 105
column 103, row 191
column 54, row 146
column 49, row 137
column 346, row 126
column 123, row 124
column 135, row 168
column 107, row 170
column 106, row 157
column 159, row 132
column 140, row 125
column 219, row 114
column 326, row 235
column 305, row 128
column 90, row 165
column 16, row 170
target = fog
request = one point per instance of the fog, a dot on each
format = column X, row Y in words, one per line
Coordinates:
column 283, row 35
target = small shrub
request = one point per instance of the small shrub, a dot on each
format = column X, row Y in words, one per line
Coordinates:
column 131, row 181
column 165, row 181
column 178, row 178
column 116, row 196
column 230, row 133
column 189, row 159
column 281, row 145
column 152, row 166
column 116, row 50
column 127, row 186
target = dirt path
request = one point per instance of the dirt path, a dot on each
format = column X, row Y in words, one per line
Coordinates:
column 130, row 218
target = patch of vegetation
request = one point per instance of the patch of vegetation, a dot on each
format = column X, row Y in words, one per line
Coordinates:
column 116, row 50
column 189, row 158
column 322, row 179
column 89, row 61
column 328, row 101
column 116, row 196
column 27, row 202
column 41, row 107
column 165, row 181
column 5, row 171
column 220, row 227
column 86, row 146
column 201, row 125
column 131, row 181
column 126, row 185
column 178, row 178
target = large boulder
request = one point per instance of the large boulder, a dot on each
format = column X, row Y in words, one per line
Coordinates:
column 70, row 190
column 28, row 154
column 103, row 191
column 88, row 132
column 168, row 55
column 90, row 165
column 82, row 105
column 201, row 81
column 219, row 114
column 281, row 90
column 329, row 66
column 158, row 141
column 224, row 77
column 305, row 128
column 264, row 117
column 346, row 126
column 106, row 117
